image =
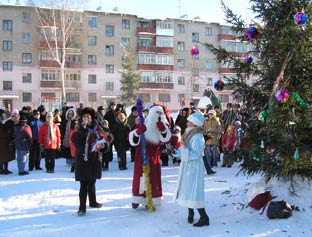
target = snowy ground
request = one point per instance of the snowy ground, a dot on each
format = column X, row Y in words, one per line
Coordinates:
column 43, row 204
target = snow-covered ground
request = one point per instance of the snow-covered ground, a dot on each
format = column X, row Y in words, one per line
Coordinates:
column 44, row 204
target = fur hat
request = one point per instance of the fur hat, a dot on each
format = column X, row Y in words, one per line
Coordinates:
column 197, row 119
column 213, row 112
column 88, row 110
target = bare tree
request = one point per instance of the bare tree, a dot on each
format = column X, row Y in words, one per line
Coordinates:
column 60, row 26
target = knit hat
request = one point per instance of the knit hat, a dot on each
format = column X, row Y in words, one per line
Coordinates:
column 197, row 119
column 213, row 112
column 237, row 123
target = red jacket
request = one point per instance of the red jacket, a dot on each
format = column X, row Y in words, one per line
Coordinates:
column 56, row 138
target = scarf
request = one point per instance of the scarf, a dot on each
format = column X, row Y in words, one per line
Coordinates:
column 49, row 134
column 67, row 134
column 188, row 134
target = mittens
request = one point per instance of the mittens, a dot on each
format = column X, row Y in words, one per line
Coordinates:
column 160, row 125
column 141, row 129
column 176, row 153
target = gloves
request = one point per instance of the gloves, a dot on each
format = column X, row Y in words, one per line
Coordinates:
column 141, row 129
column 160, row 125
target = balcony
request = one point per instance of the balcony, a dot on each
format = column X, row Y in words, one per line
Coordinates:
column 155, row 49
column 49, row 64
column 73, row 64
column 154, row 85
column 147, row 31
column 155, row 67
column 58, row 84
column 222, row 37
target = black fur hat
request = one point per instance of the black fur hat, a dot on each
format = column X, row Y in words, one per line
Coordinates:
column 88, row 110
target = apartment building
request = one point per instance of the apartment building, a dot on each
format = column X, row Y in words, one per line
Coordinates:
column 171, row 75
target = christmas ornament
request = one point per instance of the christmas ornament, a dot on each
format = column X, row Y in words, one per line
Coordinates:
column 296, row 155
column 248, row 59
column 300, row 18
column 300, row 100
column 194, row 51
column 282, row 95
column 263, row 115
column 262, row 144
column 252, row 33
column 219, row 85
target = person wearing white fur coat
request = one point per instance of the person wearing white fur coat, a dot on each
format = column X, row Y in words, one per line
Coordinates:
column 190, row 187
column 156, row 130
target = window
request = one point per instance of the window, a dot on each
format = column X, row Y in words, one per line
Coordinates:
column 26, row 37
column 26, row 17
column 48, row 95
column 180, row 29
column 109, row 30
column 164, row 77
column 208, row 81
column 7, row 45
column 195, row 57
column 144, row 24
column 181, row 81
column 109, row 50
column 92, row 97
column 27, row 97
column 92, row 40
column 7, row 85
column 109, row 86
column 145, row 97
column 195, row 88
column 92, row 21
column 46, row 55
column 208, row 64
column 208, row 31
column 181, row 46
column 125, row 41
column 125, row 24
column 144, row 42
column 91, row 59
column 224, row 98
column 92, row 78
column 26, row 77
column 195, row 37
column 195, row 72
column 7, row 25
column 181, row 63
column 72, row 97
column 26, row 58
column 109, row 68
column 162, row 41
column 7, row 66
column 50, row 75
column 164, row 97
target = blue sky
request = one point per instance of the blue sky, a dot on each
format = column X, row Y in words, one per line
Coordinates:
column 207, row 10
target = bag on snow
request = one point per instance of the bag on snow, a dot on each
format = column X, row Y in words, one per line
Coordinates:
column 260, row 201
column 279, row 210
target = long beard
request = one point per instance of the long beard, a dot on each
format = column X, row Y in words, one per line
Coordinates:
column 152, row 133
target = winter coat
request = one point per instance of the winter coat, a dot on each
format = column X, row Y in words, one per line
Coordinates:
column 22, row 137
column 190, row 187
column 121, row 133
column 212, row 128
column 35, row 125
column 56, row 139
column 6, row 142
column 90, row 169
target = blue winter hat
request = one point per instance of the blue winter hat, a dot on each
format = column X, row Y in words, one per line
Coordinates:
column 197, row 119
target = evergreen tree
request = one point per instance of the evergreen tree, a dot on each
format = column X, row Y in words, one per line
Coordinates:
column 130, row 81
column 281, row 47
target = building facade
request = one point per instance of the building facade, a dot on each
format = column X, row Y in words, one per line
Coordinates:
column 170, row 74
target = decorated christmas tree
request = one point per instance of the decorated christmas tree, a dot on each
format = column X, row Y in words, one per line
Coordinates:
column 279, row 138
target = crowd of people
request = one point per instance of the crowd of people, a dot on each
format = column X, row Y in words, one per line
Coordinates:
column 196, row 141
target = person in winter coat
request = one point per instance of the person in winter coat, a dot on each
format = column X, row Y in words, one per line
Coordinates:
column 6, row 142
column 22, row 141
column 88, row 158
column 50, row 141
column 35, row 154
column 121, row 131
column 106, row 154
column 190, row 187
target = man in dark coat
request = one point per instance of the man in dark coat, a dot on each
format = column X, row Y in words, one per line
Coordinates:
column 87, row 159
